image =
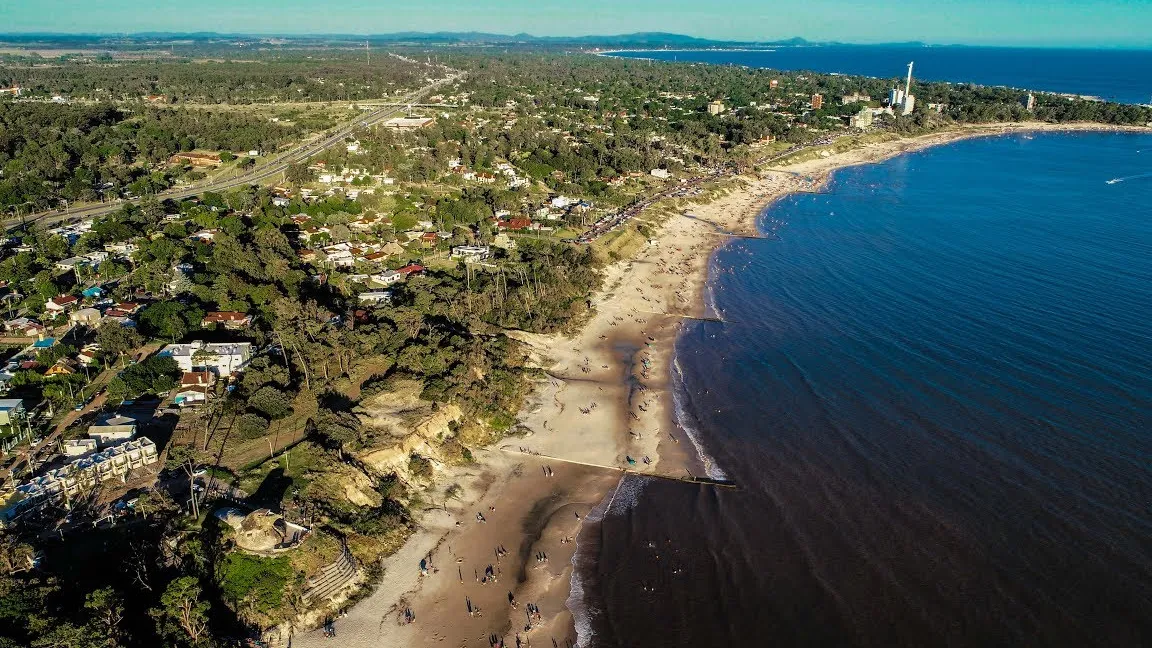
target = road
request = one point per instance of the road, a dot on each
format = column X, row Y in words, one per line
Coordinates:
column 269, row 169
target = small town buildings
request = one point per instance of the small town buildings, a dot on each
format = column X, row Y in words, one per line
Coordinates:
column 63, row 367
column 194, row 387
column 84, row 473
column 387, row 278
column 196, row 159
column 114, row 431
column 61, row 304
column 817, row 101
column 222, row 359
column 862, row 119
column 410, row 269
column 471, row 252
column 855, row 97
column 716, row 107
column 231, row 320
column 86, row 316
column 375, row 297
column 12, row 411
column 79, row 447
column 408, row 123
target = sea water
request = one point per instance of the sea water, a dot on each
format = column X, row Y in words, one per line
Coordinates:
column 1113, row 74
column 933, row 386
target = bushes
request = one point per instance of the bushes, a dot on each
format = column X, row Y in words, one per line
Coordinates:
column 254, row 584
column 251, row 426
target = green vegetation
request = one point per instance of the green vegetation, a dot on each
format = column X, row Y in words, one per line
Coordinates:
column 551, row 142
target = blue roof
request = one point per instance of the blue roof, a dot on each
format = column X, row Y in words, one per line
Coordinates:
column 94, row 291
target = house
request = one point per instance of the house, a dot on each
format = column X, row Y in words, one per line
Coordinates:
column 82, row 474
column 222, row 359
column 353, row 147
column 113, row 431
column 515, row 224
column 471, row 252
column 88, row 355
column 194, row 387
column 93, row 292
column 196, row 159
column 428, row 239
column 663, row 174
column 231, row 320
column 71, row 263
column 86, row 316
column 306, row 255
column 204, row 236
column 11, row 411
column 63, row 367
column 79, row 447
column 375, row 297
column 407, row 123
column 410, row 270
column 25, row 327
column 61, row 304
column 387, row 278
column 280, row 201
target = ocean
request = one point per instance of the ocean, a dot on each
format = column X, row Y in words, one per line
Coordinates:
column 933, row 385
column 1116, row 75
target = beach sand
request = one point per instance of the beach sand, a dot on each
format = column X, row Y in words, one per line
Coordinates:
column 607, row 398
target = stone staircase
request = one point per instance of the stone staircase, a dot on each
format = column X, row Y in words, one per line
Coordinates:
column 332, row 578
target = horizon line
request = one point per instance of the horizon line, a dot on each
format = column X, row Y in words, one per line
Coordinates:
column 789, row 41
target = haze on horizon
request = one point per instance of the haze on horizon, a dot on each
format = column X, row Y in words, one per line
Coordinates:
column 1057, row 23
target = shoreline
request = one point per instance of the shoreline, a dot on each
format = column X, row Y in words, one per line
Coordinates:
column 609, row 396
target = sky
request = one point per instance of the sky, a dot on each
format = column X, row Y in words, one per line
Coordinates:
column 1072, row 23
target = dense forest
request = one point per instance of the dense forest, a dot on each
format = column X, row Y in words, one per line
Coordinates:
column 76, row 152
column 297, row 77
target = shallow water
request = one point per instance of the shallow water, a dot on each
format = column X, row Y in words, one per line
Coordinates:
column 934, row 386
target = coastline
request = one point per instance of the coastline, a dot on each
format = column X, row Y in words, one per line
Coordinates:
column 609, row 396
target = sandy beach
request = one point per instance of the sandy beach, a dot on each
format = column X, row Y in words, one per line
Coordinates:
column 606, row 400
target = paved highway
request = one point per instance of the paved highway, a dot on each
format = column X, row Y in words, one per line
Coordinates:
column 269, row 169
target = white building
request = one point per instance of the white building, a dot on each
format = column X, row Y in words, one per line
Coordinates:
column 663, row 174
column 11, row 411
column 387, row 278
column 471, row 252
column 74, row 478
column 374, row 297
column 222, row 359
column 113, row 431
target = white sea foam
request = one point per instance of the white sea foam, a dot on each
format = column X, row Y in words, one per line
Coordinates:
column 683, row 420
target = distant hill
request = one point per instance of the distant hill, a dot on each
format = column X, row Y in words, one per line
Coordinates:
column 143, row 39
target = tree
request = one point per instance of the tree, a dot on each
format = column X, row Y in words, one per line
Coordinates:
column 170, row 319
column 183, row 610
column 270, row 401
column 107, row 609
column 117, row 340
column 251, row 426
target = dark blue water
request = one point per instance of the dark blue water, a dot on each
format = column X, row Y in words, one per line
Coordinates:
column 1116, row 75
column 934, row 387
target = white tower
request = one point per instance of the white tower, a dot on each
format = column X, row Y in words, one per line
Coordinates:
column 908, row 83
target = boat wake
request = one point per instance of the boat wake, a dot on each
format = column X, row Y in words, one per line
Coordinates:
column 1127, row 178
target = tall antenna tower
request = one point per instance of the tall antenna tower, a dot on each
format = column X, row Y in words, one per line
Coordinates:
column 908, row 83
column 368, row 53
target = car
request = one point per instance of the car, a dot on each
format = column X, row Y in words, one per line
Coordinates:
column 200, row 472
column 79, row 406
